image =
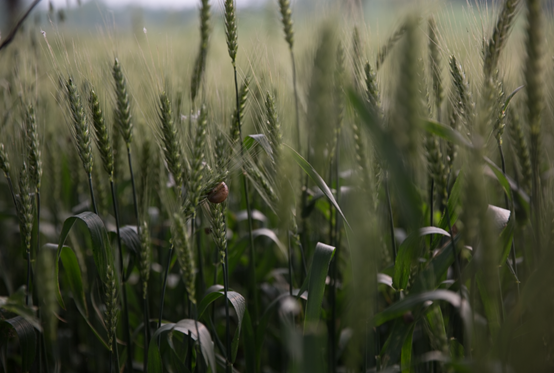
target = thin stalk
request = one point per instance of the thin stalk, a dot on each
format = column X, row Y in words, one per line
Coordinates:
column 38, row 220
column 431, row 206
column 506, row 201
column 290, row 266
column 218, row 342
column 199, row 254
column 164, row 286
column 253, row 286
column 502, row 314
column 297, row 113
column 304, row 232
column 229, row 364
column 127, row 332
column 391, row 221
column 12, row 192
column 42, row 350
column 116, row 353
column 146, row 312
column 92, row 194
column 334, row 270
column 28, row 277
column 431, row 201
column 133, row 185
column 194, row 310
column 456, row 259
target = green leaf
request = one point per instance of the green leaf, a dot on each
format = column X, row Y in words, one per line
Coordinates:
column 316, row 282
column 408, row 252
column 430, row 277
column 393, row 346
column 506, row 239
column 27, row 340
column 102, row 254
column 406, row 354
column 412, row 301
column 312, row 173
column 453, row 203
column 262, row 140
column 501, row 178
column 239, row 304
column 101, row 248
column 435, row 325
column 154, row 357
column 237, row 301
column 266, row 232
column 212, row 293
column 262, row 325
column 74, row 279
column 249, row 339
column 15, row 303
column 131, row 240
column 447, row 133
column 409, row 199
column 203, row 336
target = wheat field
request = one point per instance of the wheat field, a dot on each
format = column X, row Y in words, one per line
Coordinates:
column 351, row 187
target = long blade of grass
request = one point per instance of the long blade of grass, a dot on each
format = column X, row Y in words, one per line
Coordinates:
column 410, row 302
column 409, row 251
column 237, row 301
column 131, row 240
column 406, row 353
column 73, row 277
column 27, row 340
column 261, row 139
column 189, row 327
column 318, row 180
column 155, row 364
column 447, row 133
column 316, row 282
column 408, row 197
column 15, row 303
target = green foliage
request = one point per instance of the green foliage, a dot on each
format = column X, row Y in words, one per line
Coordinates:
column 351, row 216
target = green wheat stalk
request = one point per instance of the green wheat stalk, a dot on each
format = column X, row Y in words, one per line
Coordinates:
column 5, row 167
column 170, row 142
column 496, row 43
column 436, row 69
column 286, row 19
column 534, row 86
column 200, row 63
column 25, row 209
column 104, row 145
column 81, row 134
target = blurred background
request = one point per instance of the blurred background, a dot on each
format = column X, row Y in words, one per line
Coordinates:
column 88, row 13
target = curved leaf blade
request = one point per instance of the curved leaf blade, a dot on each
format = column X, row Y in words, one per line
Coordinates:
column 410, row 302
column 237, row 301
column 316, row 282
column 203, row 336
column 73, row 277
column 15, row 303
column 408, row 252
column 312, row 173
column 155, row 364
column 447, row 133
column 27, row 340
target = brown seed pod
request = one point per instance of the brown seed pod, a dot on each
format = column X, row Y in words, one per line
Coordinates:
column 219, row 193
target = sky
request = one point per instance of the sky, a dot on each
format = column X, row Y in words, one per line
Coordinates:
column 154, row 4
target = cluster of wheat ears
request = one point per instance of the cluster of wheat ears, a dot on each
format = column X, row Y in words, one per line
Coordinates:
column 390, row 224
